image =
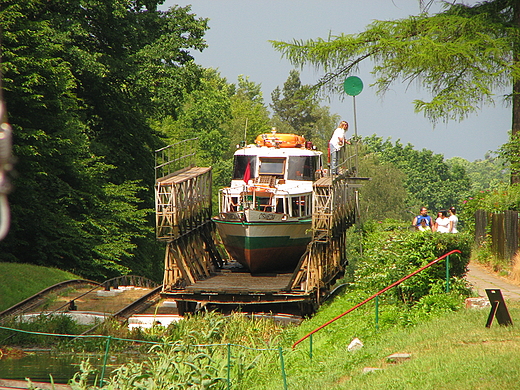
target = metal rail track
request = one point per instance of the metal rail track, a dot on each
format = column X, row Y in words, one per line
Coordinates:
column 37, row 299
column 135, row 307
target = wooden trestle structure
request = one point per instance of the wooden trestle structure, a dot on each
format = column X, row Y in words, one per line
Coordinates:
column 183, row 219
column 194, row 272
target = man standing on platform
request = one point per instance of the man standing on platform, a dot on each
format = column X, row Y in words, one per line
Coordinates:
column 335, row 144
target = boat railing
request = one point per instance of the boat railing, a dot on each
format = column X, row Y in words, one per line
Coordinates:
column 174, row 157
column 249, row 197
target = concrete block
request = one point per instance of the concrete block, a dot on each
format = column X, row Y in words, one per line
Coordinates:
column 398, row 357
column 477, row 303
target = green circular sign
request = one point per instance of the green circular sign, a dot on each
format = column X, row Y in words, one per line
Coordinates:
column 353, row 85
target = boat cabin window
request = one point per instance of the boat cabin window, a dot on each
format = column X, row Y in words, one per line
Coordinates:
column 240, row 166
column 302, row 167
column 301, row 206
column 272, row 166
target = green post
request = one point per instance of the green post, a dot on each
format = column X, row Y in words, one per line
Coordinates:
column 228, row 366
column 447, row 274
column 310, row 346
column 105, row 359
column 377, row 312
column 283, row 368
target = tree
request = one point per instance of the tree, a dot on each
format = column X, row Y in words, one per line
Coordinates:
column 486, row 174
column 384, row 195
column 460, row 56
column 429, row 181
column 250, row 116
column 78, row 97
column 297, row 110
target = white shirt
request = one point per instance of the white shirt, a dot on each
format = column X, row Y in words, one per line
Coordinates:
column 338, row 134
column 453, row 218
column 443, row 225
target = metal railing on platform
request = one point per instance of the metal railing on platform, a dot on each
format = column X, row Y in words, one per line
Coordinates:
column 172, row 158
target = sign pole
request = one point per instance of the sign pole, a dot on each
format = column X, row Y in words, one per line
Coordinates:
column 353, row 87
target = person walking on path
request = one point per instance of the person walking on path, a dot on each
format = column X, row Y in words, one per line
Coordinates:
column 336, row 142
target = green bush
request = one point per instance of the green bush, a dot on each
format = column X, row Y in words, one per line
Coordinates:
column 391, row 253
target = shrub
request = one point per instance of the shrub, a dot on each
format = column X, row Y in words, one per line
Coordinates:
column 391, row 254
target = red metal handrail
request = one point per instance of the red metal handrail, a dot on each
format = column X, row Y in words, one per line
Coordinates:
column 375, row 295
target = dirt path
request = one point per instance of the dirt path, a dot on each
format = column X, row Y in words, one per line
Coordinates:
column 481, row 279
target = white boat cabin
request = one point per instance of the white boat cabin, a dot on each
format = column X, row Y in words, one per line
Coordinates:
column 272, row 180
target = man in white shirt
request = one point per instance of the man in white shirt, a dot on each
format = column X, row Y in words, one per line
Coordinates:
column 335, row 144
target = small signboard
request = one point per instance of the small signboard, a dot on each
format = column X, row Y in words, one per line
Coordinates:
column 498, row 308
column 353, row 85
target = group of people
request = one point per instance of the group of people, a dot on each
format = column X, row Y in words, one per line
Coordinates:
column 444, row 223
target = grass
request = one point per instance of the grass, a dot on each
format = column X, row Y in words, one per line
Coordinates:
column 449, row 351
column 20, row 281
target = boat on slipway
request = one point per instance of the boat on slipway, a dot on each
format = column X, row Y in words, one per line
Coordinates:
column 265, row 215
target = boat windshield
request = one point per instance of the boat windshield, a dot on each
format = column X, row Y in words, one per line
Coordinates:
column 240, row 166
column 302, row 167
column 272, row 166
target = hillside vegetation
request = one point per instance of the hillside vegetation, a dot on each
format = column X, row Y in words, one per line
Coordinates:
column 20, row 281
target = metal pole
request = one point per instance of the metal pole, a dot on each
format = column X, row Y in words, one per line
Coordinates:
column 105, row 359
column 447, row 274
column 377, row 312
column 228, row 366
column 355, row 133
column 283, row 368
column 310, row 347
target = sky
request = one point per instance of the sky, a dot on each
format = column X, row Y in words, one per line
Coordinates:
column 238, row 39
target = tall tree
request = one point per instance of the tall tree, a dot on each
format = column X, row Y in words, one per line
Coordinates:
column 461, row 56
column 384, row 196
column 297, row 109
column 250, row 116
column 75, row 79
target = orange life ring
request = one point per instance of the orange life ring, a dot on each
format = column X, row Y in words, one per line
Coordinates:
column 280, row 140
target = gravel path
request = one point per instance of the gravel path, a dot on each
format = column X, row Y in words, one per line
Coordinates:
column 481, row 279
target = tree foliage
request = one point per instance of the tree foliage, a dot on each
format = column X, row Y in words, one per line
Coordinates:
column 384, row 195
column 81, row 79
column 461, row 56
column 297, row 109
column 486, row 174
column 429, row 181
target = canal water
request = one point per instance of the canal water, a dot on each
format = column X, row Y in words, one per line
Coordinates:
column 39, row 365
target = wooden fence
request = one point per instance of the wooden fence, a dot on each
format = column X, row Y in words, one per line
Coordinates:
column 502, row 229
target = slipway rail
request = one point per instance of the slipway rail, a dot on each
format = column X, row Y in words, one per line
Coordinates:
column 375, row 295
column 37, row 299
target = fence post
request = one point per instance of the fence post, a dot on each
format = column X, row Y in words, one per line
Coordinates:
column 105, row 359
column 377, row 312
column 228, row 366
column 283, row 368
column 448, row 274
column 310, row 347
